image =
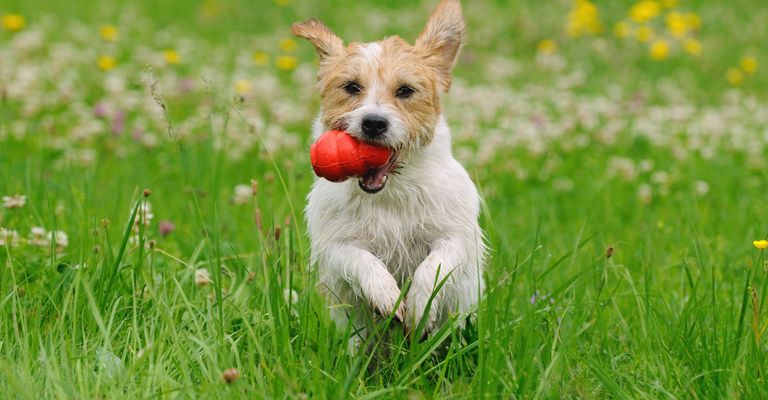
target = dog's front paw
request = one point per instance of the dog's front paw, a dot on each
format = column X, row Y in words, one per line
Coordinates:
column 382, row 293
column 416, row 310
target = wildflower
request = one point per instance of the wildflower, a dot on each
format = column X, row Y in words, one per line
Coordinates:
column 261, row 59
column 144, row 214
column 693, row 20
column 644, row 11
column 645, row 193
column 15, row 201
column 288, row 45
column 644, row 33
column 166, row 228
column 748, row 64
column 230, row 375
column 243, row 87
column 761, row 244
column 9, row 237
column 692, row 47
column 286, row 63
column 38, row 237
column 105, row 63
column 677, row 24
column 172, row 57
column 734, row 76
column 669, row 3
column 547, row 46
column 701, row 187
column 202, row 277
column 108, row 33
column 621, row 29
column 290, row 296
column 243, row 194
column 659, row 49
column 13, row 22
column 60, row 238
column 543, row 298
column 583, row 19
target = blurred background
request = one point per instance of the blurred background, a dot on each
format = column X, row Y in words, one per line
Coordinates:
column 632, row 133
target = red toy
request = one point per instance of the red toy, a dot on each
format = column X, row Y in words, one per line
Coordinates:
column 337, row 156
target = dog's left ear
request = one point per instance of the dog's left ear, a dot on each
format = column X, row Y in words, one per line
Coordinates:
column 326, row 42
column 442, row 39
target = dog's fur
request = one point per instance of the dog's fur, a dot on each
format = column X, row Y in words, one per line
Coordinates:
column 423, row 225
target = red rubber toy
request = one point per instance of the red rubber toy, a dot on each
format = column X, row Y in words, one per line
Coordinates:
column 337, row 156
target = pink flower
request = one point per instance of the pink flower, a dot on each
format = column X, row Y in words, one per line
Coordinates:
column 166, row 227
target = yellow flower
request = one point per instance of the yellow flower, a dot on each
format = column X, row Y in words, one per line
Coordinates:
column 761, row 244
column 242, row 87
column 547, row 46
column 644, row 11
column 748, row 64
column 261, row 58
column 172, row 57
column 286, row 63
column 288, row 45
column 105, row 63
column 644, row 33
column 621, row 29
column 669, row 3
column 659, row 49
column 583, row 19
column 677, row 24
column 734, row 76
column 692, row 47
column 693, row 20
column 13, row 22
column 108, row 32
column 282, row 3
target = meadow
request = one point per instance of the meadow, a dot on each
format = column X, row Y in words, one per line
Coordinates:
column 154, row 165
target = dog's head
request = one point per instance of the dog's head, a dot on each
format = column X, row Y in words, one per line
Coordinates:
column 387, row 93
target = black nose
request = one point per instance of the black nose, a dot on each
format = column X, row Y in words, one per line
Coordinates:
column 374, row 125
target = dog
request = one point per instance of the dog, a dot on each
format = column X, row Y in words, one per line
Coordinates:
column 414, row 219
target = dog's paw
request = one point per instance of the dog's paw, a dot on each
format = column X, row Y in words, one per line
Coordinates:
column 382, row 293
column 416, row 310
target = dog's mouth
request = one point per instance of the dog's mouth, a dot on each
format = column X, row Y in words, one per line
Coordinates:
column 376, row 178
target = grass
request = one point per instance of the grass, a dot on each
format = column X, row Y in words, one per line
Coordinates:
column 595, row 289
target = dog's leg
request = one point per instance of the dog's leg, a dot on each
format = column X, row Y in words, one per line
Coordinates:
column 447, row 259
column 366, row 275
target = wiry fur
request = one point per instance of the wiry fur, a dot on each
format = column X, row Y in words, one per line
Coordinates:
column 423, row 225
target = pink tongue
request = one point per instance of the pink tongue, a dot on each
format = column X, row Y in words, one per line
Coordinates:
column 374, row 179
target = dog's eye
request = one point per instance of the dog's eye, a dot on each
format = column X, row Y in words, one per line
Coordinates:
column 352, row 88
column 404, row 92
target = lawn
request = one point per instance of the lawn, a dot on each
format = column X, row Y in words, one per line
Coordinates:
column 154, row 167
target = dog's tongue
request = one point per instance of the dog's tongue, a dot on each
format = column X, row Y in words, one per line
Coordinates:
column 374, row 180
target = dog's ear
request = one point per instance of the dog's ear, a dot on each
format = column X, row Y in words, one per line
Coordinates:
column 325, row 41
column 442, row 39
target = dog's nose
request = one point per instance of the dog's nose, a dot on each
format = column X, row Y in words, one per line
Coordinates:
column 374, row 125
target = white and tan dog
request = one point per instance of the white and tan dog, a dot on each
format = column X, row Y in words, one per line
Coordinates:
column 416, row 217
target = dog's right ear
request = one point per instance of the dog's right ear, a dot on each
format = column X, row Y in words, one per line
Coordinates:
column 325, row 41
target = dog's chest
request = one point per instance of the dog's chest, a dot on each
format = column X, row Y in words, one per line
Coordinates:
column 397, row 234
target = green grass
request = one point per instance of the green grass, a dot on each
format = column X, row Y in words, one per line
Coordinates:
column 676, row 310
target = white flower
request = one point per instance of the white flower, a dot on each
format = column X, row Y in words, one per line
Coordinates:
column 9, row 237
column 60, row 237
column 290, row 296
column 243, row 194
column 701, row 187
column 38, row 237
column 202, row 277
column 15, row 201
column 144, row 213
column 645, row 193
